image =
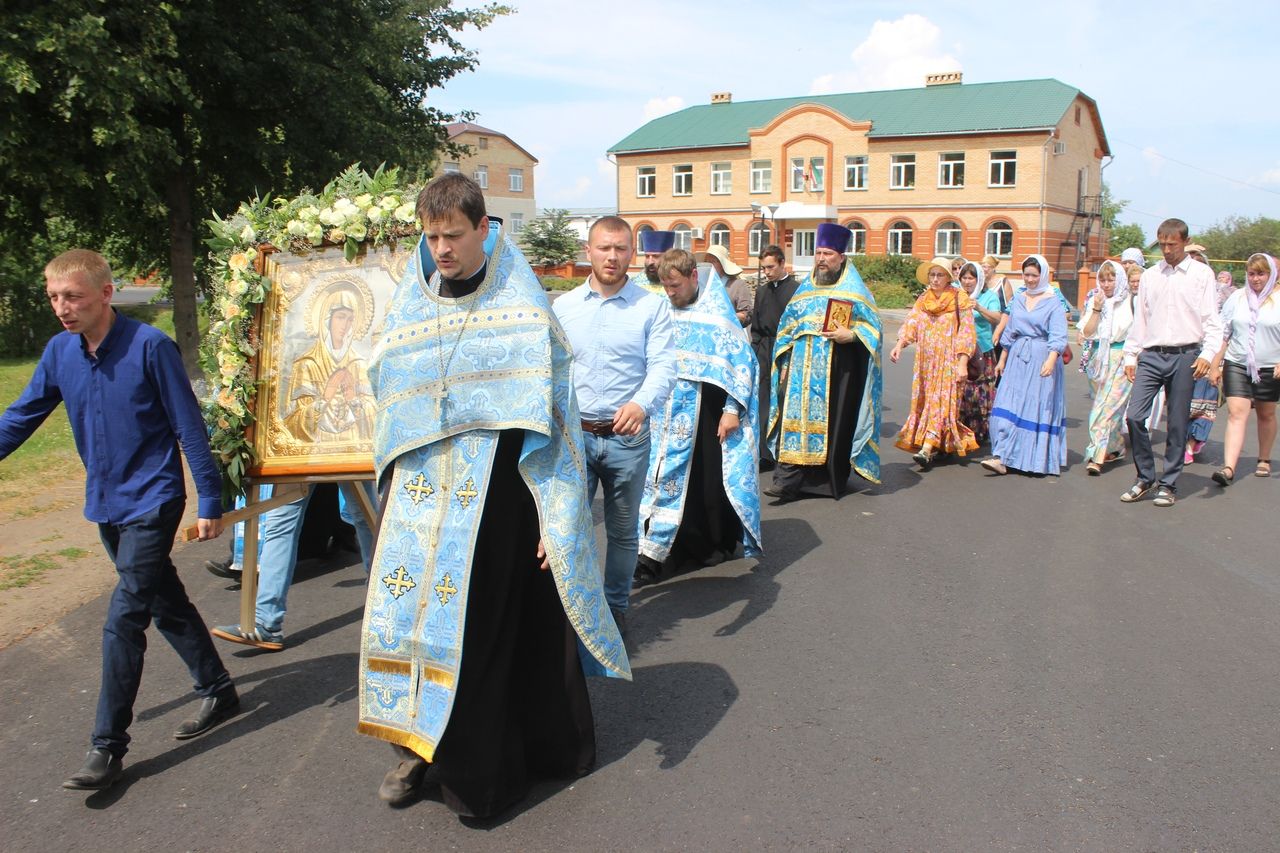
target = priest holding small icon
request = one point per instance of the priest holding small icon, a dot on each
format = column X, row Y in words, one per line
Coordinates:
column 825, row 388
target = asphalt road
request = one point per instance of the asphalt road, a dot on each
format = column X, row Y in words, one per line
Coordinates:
column 947, row 661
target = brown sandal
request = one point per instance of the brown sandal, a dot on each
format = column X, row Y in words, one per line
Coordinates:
column 1222, row 477
column 1260, row 472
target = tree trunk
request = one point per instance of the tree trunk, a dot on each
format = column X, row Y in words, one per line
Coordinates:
column 179, row 192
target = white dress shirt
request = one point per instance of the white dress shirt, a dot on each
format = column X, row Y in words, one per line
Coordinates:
column 1176, row 306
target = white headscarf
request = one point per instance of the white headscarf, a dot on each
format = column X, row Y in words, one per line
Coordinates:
column 982, row 278
column 1255, row 302
column 1107, row 315
column 1042, row 286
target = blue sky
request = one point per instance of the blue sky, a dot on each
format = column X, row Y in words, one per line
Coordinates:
column 1188, row 99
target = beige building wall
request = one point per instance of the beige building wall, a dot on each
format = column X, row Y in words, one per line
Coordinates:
column 499, row 157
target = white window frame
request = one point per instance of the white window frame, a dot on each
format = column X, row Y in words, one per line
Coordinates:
column 902, row 166
column 682, row 173
column 951, row 171
column 796, row 171
column 804, row 238
column 1006, row 165
column 448, row 168
column 758, row 237
column 481, row 176
column 646, row 175
column 515, row 179
column 684, row 237
column 719, row 235
column 948, row 242
column 721, row 178
column 995, row 235
column 893, row 243
column 855, row 172
column 517, row 222
column 858, row 242
column 643, row 229
column 761, row 176
column 818, row 173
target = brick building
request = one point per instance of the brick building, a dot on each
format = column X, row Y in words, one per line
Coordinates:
column 1006, row 169
column 503, row 169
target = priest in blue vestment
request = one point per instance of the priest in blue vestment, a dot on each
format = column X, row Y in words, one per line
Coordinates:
column 825, row 389
column 701, row 496
column 485, row 607
column 652, row 245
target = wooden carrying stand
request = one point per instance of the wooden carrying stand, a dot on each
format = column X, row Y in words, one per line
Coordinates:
column 297, row 486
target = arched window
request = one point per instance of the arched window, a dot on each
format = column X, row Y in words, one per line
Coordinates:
column 947, row 240
column 1000, row 239
column 684, row 237
column 643, row 229
column 757, row 238
column 900, row 238
column 858, row 242
column 718, row 235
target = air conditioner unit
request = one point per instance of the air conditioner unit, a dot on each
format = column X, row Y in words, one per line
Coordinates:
column 697, row 233
column 1059, row 148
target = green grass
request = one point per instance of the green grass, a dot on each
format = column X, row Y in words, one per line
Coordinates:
column 20, row 570
column 552, row 282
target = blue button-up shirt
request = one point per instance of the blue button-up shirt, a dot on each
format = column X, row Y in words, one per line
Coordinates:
column 129, row 406
column 622, row 348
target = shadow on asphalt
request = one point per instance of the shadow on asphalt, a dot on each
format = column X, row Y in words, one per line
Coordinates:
column 659, row 608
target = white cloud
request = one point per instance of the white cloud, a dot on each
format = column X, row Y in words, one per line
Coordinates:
column 662, row 106
column 895, row 55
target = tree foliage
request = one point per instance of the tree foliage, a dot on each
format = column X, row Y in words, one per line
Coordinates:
column 549, row 239
column 1237, row 237
column 137, row 119
column 1125, row 236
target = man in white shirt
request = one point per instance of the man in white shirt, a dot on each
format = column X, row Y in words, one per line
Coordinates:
column 1176, row 333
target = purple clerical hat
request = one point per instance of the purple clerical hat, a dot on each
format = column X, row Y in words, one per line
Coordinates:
column 654, row 242
column 834, row 237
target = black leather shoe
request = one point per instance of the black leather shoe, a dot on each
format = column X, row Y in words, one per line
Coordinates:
column 223, row 570
column 620, row 619
column 100, row 769
column 402, row 782
column 214, row 709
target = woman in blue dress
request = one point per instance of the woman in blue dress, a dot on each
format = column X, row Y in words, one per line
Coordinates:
column 1029, row 417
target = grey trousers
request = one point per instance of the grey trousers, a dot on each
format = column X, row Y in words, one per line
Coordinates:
column 1172, row 372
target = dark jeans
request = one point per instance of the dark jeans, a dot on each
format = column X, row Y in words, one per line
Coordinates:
column 1174, row 373
column 148, row 589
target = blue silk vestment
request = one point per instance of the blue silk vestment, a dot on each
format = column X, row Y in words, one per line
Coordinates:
column 711, row 347
column 448, row 376
column 801, row 437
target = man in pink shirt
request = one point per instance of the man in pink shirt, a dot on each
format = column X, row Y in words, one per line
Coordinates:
column 1176, row 332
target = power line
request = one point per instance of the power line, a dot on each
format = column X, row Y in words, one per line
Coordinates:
column 1146, row 149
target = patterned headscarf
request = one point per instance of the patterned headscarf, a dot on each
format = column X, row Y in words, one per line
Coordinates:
column 1255, row 302
column 1106, row 317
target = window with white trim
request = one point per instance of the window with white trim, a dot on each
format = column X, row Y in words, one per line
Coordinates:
column 855, row 172
column 450, row 167
column 684, row 237
column 947, row 239
column 721, row 178
column 858, row 242
column 646, row 182
column 899, row 242
column 761, row 176
column 1004, row 168
column 757, row 239
column 902, row 172
column 806, row 242
column 951, row 170
column 515, row 180
column 797, row 174
column 682, row 179
column 817, row 174
column 482, row 177
column 517, row 222
column 643, row 229
column 999, row 240
column 718, row 235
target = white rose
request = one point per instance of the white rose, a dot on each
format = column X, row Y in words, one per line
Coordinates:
column 374, row 213
column 405, row 213
column 247, row 234
column 337, row 235
column 389, row 202
column 344, row 206
column 296, row 227
column 363, row 200
column 329, row 216
column 315, row 234
column 358, row 231
column 308, row 212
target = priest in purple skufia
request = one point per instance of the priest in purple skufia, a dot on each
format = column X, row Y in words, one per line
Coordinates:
column 825, row 391
column 652, row 245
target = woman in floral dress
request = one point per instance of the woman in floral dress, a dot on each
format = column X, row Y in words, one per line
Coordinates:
column 941, row 323
column 1107, row 316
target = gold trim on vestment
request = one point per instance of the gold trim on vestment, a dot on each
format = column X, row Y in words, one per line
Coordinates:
column 396, row 667
column 425, row 748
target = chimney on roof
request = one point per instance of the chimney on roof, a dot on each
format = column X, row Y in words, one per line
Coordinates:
column 722, row 97
column 946, row 78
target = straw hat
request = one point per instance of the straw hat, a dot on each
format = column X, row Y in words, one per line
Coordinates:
column 922, row 271
column 721, row 254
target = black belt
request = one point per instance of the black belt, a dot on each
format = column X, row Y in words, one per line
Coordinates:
column 601, row 428
column 1175, row 350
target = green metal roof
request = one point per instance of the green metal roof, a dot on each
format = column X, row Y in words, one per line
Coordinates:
column 931, row 110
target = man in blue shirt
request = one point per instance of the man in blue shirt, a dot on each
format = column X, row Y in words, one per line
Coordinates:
column 130, row 404
column 623, row 370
